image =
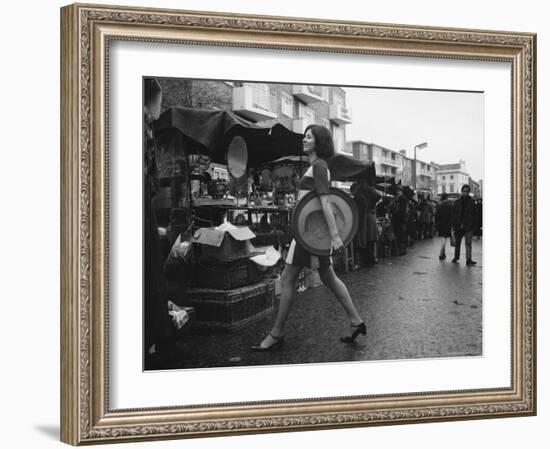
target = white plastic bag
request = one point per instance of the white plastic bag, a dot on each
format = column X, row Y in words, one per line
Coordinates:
column 178, row 315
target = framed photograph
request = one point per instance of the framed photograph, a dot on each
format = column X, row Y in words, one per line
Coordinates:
column 279, row 224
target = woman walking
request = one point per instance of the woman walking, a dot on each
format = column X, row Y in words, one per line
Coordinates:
column 319, row 146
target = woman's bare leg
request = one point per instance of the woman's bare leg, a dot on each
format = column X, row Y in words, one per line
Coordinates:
column 442, row 251
column 288, row 291
column 329, row 278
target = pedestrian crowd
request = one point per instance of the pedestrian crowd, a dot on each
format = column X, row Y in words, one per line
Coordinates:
column 388, row 225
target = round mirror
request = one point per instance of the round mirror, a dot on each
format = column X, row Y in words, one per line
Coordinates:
column 237, row 157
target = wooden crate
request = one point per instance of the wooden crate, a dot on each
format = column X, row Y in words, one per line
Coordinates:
column 230, row 310
column 225, row 275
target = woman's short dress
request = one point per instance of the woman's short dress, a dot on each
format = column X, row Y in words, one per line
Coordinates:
column 317, row 177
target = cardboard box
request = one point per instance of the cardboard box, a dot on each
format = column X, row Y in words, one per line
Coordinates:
column 224, row 244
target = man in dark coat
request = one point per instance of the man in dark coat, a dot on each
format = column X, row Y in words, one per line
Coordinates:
column 464, row 223
column 423, row 217
column 366, row 197
column 444, row 221
column 399, row 220
column 412, row 221
column 479, row 219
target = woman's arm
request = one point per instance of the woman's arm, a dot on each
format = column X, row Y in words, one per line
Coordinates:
column 331, row 222
column 322, row 187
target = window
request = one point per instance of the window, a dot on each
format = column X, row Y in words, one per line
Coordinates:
column 443, row 188
column 261, row 96
column 339, row 139
column 451, row 188
column 452, row 177
column 286, row 105
column 325, row 94
column 337, row 99
column 443, row 177
column 307, row 114
column 325, row 122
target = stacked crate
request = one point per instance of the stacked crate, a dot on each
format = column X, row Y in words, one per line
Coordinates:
column 229, row 293
column 234, row 309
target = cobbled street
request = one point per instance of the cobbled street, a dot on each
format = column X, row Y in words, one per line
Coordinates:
column 415, row 306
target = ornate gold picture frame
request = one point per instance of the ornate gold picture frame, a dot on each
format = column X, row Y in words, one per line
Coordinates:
column 87, row 32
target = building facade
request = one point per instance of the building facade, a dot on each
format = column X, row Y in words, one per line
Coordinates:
column 451, row 178
column 295, row 106
column 396, row 164
column 426, row 177
column 475, row 188
column 386, row 161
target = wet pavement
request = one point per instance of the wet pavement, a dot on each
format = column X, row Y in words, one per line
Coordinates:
column 415, row 306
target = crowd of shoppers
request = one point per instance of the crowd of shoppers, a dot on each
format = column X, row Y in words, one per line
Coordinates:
column 388, row 225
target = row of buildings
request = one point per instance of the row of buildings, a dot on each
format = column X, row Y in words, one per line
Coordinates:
column 297, row 106
column 431, row 178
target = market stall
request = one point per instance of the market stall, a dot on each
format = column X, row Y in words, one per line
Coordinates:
column 232, row 220
column 191, row 139
column 255, row 197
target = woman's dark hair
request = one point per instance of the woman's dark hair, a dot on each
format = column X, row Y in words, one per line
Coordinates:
column 465, row 186
column 324, row 145
column 444, row 196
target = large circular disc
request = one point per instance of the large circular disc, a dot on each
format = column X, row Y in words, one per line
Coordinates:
column 310, row 227
column 237, row 157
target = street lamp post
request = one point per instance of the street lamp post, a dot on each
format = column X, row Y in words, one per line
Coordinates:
column 420, row 146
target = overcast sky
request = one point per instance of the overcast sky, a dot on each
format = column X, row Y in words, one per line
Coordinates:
column 450, row 122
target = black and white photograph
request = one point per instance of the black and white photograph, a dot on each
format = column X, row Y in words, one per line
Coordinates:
column 276, row 224
column 295, row 224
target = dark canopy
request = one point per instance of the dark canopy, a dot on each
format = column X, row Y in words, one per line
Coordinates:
column 212, row 131
column 388, row 184
column 347, row 168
